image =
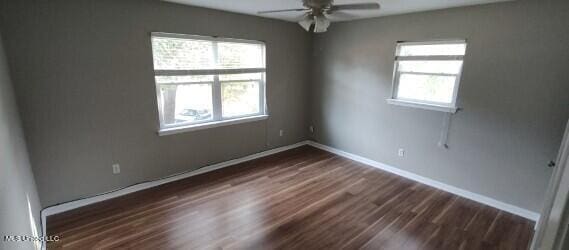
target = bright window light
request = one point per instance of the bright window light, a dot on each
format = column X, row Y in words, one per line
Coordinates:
column 427, row 74
column 201, row 80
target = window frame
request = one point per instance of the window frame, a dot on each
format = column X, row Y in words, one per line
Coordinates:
column 216, row 86
column 424, row 104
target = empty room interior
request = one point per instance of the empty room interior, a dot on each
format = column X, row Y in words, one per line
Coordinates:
column 284, row 124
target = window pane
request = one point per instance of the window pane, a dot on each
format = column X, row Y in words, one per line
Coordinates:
column 426, row 88
column 240, row 98
column 432, row 50
column 184, row 79
column 186, row 103
column 443, row 67
column 240, row 55
column 182, row 54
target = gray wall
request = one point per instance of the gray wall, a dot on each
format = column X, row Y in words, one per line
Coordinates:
column 514, row 94
column 19, row 202
column 85, row 86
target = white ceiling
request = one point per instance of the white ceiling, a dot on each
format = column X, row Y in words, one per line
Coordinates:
column 388, row 7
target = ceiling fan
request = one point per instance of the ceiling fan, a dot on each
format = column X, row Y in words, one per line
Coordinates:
column 316, row 13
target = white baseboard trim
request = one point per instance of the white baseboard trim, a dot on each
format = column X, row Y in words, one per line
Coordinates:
column 436, row 184
column 60, row 208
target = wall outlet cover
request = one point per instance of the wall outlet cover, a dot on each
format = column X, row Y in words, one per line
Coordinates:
column 116, row 169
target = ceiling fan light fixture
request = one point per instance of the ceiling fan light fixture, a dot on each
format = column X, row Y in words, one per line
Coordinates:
column 321, row 24
column 306, row 23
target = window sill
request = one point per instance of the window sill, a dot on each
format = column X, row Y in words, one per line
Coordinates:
column 411, row 104
column 194, row 127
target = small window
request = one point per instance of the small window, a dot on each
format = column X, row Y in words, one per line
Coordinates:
column 427, row 74
column 205, row 81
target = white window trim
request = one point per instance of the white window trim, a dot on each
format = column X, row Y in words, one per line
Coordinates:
column 206, row 125
column 217, row 121
column 422, row 104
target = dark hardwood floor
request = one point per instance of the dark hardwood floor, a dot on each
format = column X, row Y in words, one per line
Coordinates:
column 303, row 198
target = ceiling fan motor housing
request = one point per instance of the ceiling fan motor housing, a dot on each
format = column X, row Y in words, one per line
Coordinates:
column 317, row 4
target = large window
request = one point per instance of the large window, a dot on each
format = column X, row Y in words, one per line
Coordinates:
column 206, row 81
column 427, row 74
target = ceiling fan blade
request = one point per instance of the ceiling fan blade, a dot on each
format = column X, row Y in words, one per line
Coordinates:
column 301, row 17
column 340, row 16
column 277, row 11
column 356, row 6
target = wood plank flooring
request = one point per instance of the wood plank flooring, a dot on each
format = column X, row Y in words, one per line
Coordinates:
column 303, row 198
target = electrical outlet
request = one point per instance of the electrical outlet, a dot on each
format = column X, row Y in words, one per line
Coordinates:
column 281, row 132
column 311, row 128
column 401, row 152
column 116, row 168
